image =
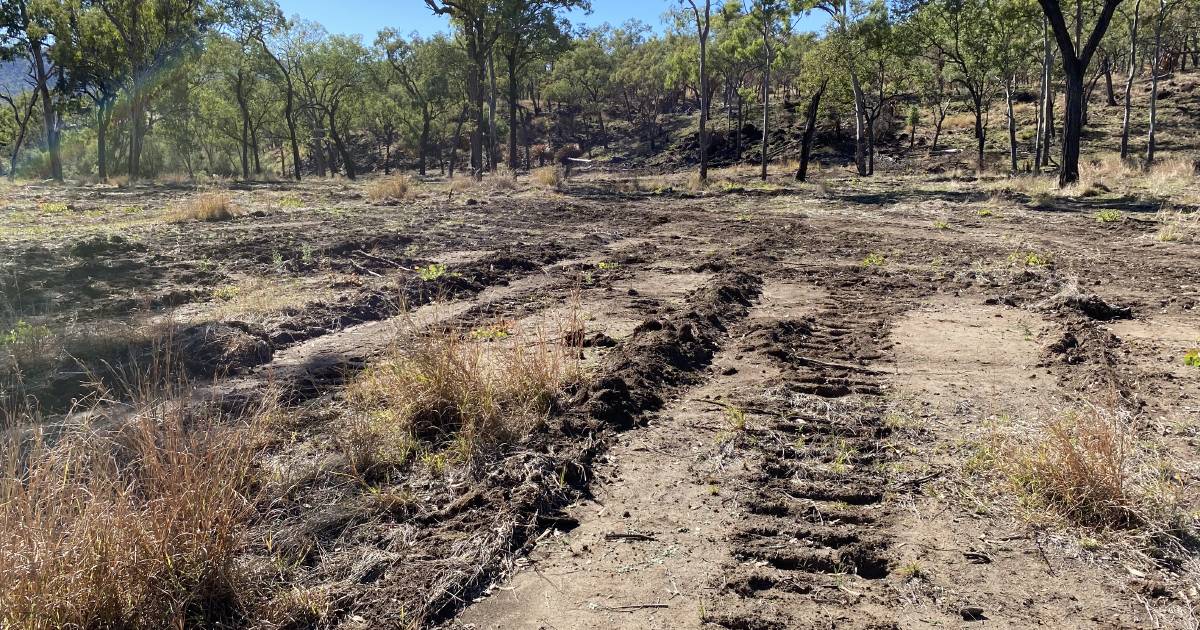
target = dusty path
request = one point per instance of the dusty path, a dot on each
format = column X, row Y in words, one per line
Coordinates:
column 653, row 545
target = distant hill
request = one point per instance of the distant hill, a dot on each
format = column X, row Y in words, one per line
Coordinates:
column 13, row 75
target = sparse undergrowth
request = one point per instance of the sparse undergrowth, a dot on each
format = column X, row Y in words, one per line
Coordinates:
column 452, row 391
column 1087, row 468
column 131, row 527
column 214, row 206
column 392, row 188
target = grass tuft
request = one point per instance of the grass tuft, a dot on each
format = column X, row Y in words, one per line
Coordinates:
column 214, row 206
column 548, row 177
column 395, row 187
column 136, row 526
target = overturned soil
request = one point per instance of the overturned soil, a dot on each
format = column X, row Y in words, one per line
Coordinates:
column 783, row 393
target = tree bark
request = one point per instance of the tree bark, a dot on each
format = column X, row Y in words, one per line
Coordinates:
column 50, row 117
column 347, row 159
column 1012, row 123
column 810, row 131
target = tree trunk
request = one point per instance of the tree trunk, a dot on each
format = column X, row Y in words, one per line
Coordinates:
column 1155, row 67
column 810, row 131
column 1012, row 123
column 980, row 131
column 457, row 137
column 493, row 140
column 513, row 158
column 1072, row 130
column 49, row 112
column 860, row 105
column 766, row 119
column 103, row 116
column 1132, row 72
column 423, row 148
column 347, row 159
column 1108, row 82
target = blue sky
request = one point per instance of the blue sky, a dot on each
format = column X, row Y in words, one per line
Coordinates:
column 367, row 17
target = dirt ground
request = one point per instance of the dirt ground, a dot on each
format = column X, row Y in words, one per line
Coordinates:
column 789, row 387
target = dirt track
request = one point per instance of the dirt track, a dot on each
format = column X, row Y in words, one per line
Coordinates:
column 786, row 387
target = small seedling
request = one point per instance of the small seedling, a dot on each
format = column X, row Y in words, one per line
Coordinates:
column 1192, row 358
column 291, row 202
column 736, row 418
column 874, row 260
column 941, row 225
column 1030, row 259
column 1089, row 543
column 25, row 334
column 432, row 272
column 495, row 332
column 226, row 293
column 985, row 213
column 306, row 253
column 1108, row 216
column 744, row 217
column 911, row 571
column 53, row 208
column 277, row 258
column 608, row 266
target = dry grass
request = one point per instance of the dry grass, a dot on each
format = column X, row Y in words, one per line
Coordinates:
column 547, row 177
column 447, row 390
column 258, row 298
column 214, row 206
column 396, row 187
column 1088, row 468
column 136, row 526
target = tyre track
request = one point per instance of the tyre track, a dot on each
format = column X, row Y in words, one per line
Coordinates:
column 815, row 537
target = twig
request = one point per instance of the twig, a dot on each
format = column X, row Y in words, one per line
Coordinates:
column 629, row 536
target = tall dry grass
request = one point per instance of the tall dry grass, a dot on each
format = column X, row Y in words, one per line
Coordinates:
column 1088, row 467
column 448, row 390
column 213, row 206
column 396, row 187
column 133, row 522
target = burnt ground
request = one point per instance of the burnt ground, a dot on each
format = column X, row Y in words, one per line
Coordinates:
column 788, row 387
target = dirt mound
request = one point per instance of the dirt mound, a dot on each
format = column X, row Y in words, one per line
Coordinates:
column 1093, row 306
column 104, row 246
column 662, row 354
column 218, row 348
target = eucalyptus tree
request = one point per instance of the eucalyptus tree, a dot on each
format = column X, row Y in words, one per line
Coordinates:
column 478, row 23
column 845, row 16
column 1076, row 56
column 584, row 74
column 1164, row 9
column 88, row 50
column 532, row 31
column 28, row 27
column 277, row 40
column 422, row 68
column 966, row 34
column 1133, row 22
column 702, row 14
column 770, row 19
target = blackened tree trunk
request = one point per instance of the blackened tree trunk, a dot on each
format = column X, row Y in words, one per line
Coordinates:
column 347, row 159
column 513, row 157
column 810, row 131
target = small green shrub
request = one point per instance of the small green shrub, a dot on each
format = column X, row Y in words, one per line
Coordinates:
column 1108, row 216
column 1030, row 259
column 432, row 272
column 941, row 225
column 1192, row 358
column 874, row 260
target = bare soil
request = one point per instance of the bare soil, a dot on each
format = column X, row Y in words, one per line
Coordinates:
column 786, row 387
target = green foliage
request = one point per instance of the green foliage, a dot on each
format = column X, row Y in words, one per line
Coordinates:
column 1108, row 216
column 431, row 272
column 1192, row 358
column 1030, row 259
column 874, row 260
